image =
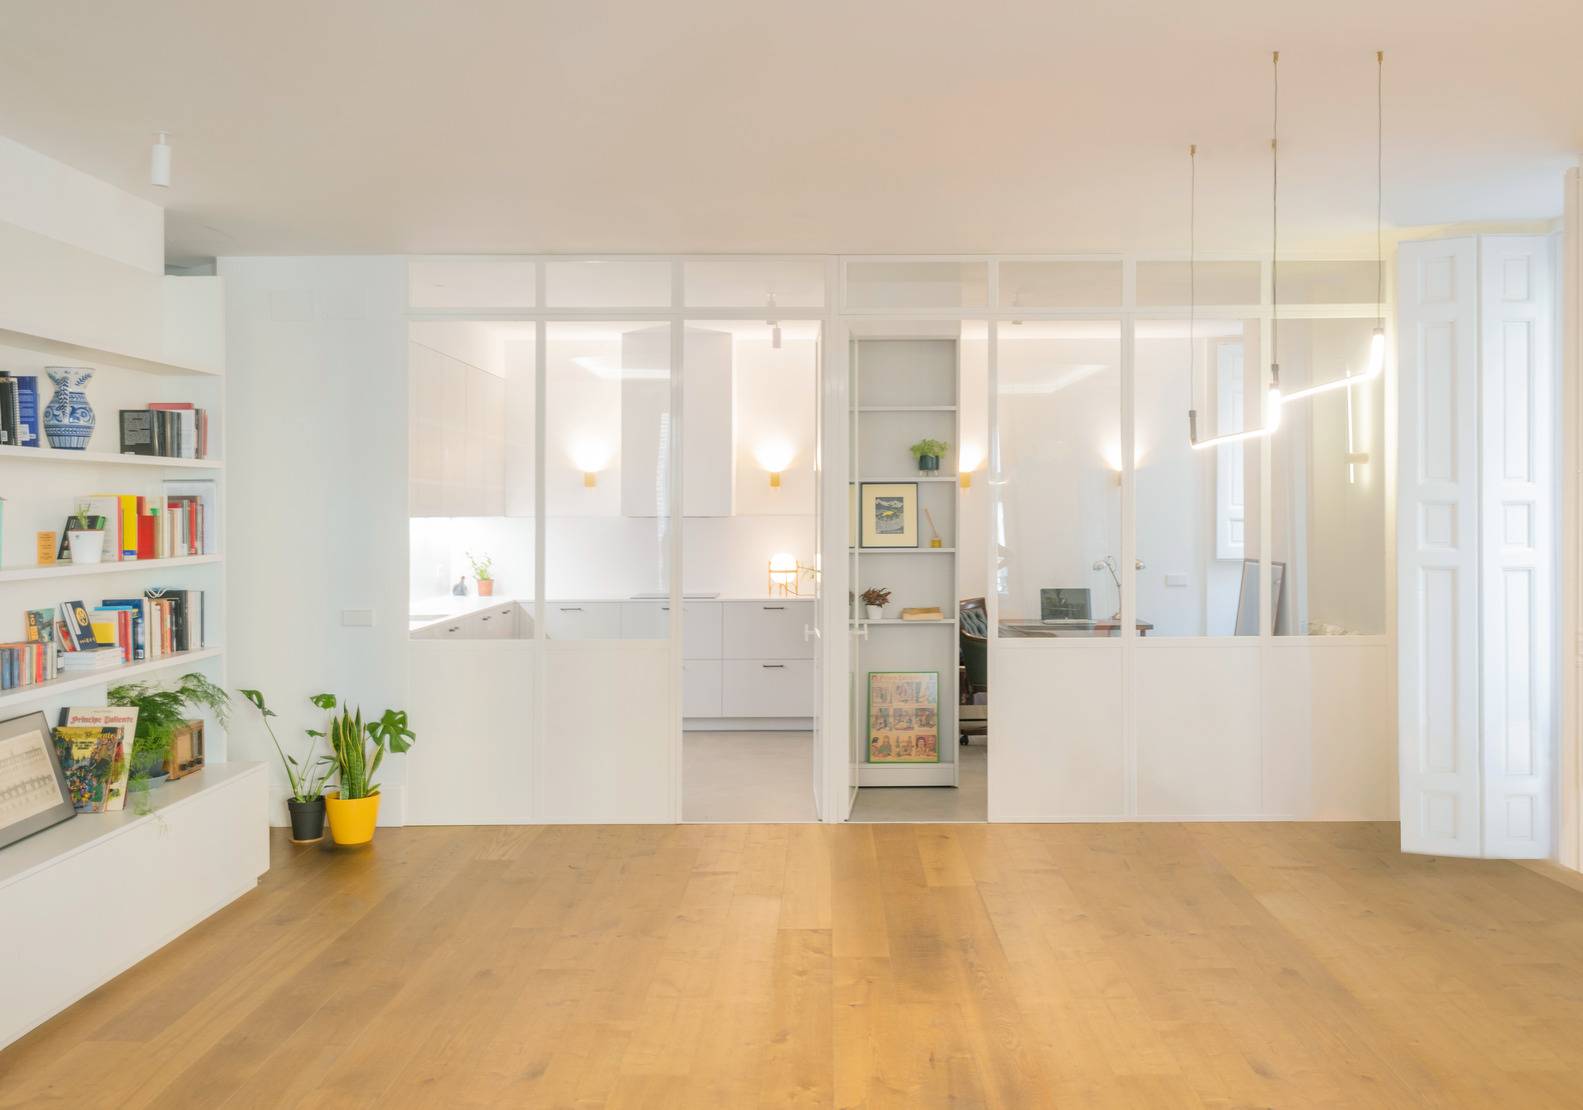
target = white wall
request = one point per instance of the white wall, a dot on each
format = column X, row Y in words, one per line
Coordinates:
column 317, row 486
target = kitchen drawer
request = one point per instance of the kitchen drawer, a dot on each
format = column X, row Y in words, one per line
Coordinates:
column 582, row 620
column 771, row 629
column 701, row 682
column 650, row 620
column 767, row 688
column 499, row 623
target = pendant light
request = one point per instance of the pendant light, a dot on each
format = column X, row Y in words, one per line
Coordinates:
column 775, row 327
column 1272, row 397
column 1376, row 363
column 159, row 160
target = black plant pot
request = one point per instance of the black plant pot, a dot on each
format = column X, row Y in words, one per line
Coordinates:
column 928, row 464
column 307, row 820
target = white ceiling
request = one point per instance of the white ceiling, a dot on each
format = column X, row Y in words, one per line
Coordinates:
column 717, row 125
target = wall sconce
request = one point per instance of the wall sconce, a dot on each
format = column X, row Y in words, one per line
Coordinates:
column 774, row 456
column 968, row 460
column 590, row 456
column 1111, row 453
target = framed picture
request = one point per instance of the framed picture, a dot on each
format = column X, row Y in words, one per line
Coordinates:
column 33, row 792
column 904, row 717
column 889, row 512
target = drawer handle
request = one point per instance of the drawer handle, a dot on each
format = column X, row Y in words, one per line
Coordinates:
column 773, row 666
column 453, row 628
column 774, row 608
column 571, row 608
column 665, row 608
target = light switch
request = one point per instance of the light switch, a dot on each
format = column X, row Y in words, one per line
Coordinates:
column 1179, row 580
column 357, row 618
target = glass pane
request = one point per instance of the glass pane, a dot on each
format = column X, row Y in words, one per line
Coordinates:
column 917, row 284
column 471, row 479
column 470, row 283
column 643, row 284
column 608, row 462
column 1215, row 283
column 1192, row 505
column 1058, row 525
column 1327, row 283
column 1328, row 484
column 1060, row 284
column 750, row 283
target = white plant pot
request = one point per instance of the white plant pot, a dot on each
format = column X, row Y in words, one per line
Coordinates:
column 875, row 612
column 86, row 547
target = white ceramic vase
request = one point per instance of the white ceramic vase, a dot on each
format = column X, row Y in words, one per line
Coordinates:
column 86, row 546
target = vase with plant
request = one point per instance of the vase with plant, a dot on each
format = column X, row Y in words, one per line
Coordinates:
column 306, row 779
column 161, row 710
column 875, row 598
column 928, row 452
column 85, row 535
column 358, row 747
column 483, row 571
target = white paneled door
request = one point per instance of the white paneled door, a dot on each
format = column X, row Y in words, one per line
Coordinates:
column 1475, row 545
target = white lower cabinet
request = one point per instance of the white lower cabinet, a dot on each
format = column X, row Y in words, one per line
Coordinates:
column 767, row 688
column 583, row 620
column 702, row 682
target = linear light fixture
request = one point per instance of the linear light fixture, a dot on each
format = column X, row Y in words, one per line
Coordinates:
column 1376, row 362
column 1272, row 398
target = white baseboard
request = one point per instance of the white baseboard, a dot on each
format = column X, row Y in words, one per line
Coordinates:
column 748, row 724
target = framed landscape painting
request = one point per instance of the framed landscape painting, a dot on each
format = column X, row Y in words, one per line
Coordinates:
column 903, row 717
column 889, row 514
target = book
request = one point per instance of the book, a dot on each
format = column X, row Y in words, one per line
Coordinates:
column 91, row 659
column 138, row 432
column 39, row 625
column 923, row 613
column 124, row 720
column 87, row 756
column 79, row 630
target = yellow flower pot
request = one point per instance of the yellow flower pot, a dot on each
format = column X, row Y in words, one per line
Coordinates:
column 352, row 820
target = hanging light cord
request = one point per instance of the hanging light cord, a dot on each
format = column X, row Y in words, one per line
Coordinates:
column 1379, row 184
column 1275, row 220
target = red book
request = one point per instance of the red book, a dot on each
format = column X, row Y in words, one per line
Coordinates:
column 170, row 406
column 145, row 536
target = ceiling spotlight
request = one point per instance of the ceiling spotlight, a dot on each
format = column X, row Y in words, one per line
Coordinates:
column 159, row 161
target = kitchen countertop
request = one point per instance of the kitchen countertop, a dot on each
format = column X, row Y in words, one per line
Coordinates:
column 425, row 613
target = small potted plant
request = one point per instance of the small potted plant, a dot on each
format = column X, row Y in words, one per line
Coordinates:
column 85, row 538
column 928, row 452
column 306, row 804
column 482, row 570
column 875, row 598
column 160, row 712
column 358, row 747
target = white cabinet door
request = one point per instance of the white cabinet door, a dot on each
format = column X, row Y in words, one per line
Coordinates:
column 582, row 620
column 767, row 688
column 645, row 620
column 701, row 630
column 766, row 629
column 701, row 685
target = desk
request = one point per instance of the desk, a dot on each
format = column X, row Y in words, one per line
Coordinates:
column 1018, row 626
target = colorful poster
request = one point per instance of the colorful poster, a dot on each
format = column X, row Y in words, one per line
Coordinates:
column 903, row 717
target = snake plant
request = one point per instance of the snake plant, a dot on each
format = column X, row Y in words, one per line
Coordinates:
column 359, row 746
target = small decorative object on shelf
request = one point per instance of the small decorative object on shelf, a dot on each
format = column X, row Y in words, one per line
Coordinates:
column 45, row 542
column 306, row 804
column 923, row 613
column 161, row 713
column 460, row 589
column 68, row 418
column 358, row 747
column 934, row 539
column 85, row 536
column 875, row 598
column 482, row 570
column 889, row 514
column 928, row 453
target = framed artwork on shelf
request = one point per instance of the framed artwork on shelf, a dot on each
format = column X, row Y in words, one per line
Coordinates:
column 904, row 717
column 889, row 514
column 33, row 790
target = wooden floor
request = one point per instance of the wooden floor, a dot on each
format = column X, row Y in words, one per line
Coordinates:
column 857, row 965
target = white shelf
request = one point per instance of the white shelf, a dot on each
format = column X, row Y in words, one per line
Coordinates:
column 97, row 356
column 71, row 570
column 906, row 408
column 898, row 620
column 910, row 478
column 902, row 550
column 107, row 458
column 110, row 676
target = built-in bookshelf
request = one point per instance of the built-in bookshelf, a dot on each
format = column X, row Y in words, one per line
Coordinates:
column 42, row 485
column 904, row 390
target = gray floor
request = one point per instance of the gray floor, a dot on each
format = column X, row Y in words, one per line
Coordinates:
column 768, row 776
column 747, row 776
column 968, row 802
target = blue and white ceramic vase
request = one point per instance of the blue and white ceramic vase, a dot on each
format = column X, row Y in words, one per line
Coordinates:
column 68, row 418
